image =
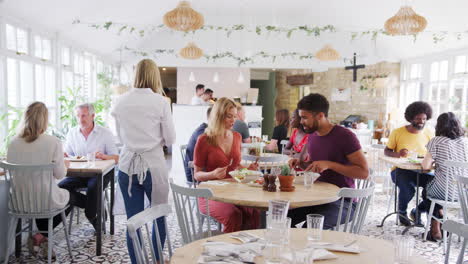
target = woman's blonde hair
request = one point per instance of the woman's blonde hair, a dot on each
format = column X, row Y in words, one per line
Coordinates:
column 147, row 76
column 35, row 121
column 216, row 121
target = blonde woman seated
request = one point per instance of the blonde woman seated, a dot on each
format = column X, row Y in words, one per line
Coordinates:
column 32, row 146
column 217, row 152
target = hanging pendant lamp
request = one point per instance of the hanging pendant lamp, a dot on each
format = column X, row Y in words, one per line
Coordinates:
column 405, row 22
column 327, row 53
column 191, row 52
column 183, row 18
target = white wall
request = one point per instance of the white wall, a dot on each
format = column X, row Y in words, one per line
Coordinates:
column 228, row 86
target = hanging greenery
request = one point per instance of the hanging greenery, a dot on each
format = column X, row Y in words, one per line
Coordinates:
column 227, row 55
column 261, row 30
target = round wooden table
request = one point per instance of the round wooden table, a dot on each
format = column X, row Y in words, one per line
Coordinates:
column 244, row 195
column 373, row 250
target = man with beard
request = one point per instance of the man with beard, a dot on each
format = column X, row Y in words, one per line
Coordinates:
column 333, row 151
column 410, row 138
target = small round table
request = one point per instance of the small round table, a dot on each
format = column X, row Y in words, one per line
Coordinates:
column 373, row 250
column 245, row 195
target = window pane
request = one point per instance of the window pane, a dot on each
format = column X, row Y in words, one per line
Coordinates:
column 26, row 83
column 22, row 40
column 457, row 97
column 40, row 89
column 12, row 82
column 415, row 71
column 460, row 64
column 10, row 37
column 37, row 47
column 46, row 49
column 66, row 56
column 52, row 117
column 443, row 75
column 67, row 80
column 444, row 95
column 434, row 71
column 434, row 93
column 50, row 86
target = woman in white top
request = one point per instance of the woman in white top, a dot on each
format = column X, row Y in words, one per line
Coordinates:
column 144, row 125
column 33, row 147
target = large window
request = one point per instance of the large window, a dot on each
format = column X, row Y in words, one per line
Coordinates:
column 42, row 48
column 438, row 93
column 411, row 88
column 17, row 39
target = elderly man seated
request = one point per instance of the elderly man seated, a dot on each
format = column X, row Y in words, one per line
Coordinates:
column 88, row 138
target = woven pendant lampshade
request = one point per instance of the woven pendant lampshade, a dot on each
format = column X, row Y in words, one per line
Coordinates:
column 327, row 53
column 191, row 52
column 405, row 22
column 183, row 18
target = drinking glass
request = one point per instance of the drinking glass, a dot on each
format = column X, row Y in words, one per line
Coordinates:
column 304, row 256
column 278, row 209
column 314, row 227
column 309, row 178
column 91, row 158
column 265, row 138
column 403, row 248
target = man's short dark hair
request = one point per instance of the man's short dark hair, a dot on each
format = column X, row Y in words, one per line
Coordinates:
column 208, row 112
column 417, row 108
column 199, row 86
column 314, row 103
column 208, row 91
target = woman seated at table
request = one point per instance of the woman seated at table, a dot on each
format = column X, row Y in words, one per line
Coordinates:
column 448, row 144
column 280, row 132
column 298, row 140
column 217, row 152
column 32, row 146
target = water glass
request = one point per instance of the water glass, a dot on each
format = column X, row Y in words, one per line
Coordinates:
column 304, row 256
column 265, row 138
column 91, row 158
column 278, row 209
column 403, row 248
column 314, row 227
column 309, row 178
column 374, row 141
column 272, row 253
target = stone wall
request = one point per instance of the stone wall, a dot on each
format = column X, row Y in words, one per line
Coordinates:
column 372, row 104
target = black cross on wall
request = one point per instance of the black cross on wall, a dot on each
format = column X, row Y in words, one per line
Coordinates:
column 355, row 68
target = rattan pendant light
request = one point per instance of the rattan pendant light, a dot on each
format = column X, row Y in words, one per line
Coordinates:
column 191, row 52
column 183, row 18
column 327, row 53
column 405, row 22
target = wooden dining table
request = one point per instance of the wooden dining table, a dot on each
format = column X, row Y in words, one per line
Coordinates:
column 244, row 195
column 372, row 250
column 98, row 169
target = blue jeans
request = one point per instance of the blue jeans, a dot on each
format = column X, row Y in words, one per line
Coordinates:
column 406, row 183
column 135, row 204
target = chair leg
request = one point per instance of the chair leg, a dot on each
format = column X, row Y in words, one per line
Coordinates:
column 390, row 198
column 428, row 223
column 67, row 237
column 462, row 252
column 50, row 243
column 10, row 237
column 71, row 219
column 444, row 234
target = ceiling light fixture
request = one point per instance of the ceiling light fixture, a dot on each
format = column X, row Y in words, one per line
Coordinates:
column 183, row 18
column 191, row 52
column 327, row 53
column 405, row 22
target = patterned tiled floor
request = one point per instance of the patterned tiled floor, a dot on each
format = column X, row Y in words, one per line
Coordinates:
column 115, row 251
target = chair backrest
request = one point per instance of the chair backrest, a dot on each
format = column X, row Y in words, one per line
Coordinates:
column 186, row 202
column 361, row 198
column 138, row 224
column 459, row 170
column 30, row 187
column 183, row 151
column 462, row 184
column 459, row 229
column 378, row 167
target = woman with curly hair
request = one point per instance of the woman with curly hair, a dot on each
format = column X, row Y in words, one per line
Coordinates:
column 448, row 144
column 410, row 138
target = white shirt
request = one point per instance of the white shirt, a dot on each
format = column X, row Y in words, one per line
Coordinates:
column 45, row 149
column 144, row 125
column 100, row 139
column 197, row 101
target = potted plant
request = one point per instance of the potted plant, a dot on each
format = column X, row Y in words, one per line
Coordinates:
column 286, row 179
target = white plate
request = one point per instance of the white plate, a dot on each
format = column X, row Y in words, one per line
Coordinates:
column 74, row 159
column 250, row 176
column 253, row 184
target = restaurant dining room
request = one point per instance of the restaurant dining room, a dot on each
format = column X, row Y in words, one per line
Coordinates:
column 220, row 131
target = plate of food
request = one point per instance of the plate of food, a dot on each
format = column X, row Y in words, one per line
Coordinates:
column 245, row 175
column 415, row 161
column 257, row 183
column 77, row 158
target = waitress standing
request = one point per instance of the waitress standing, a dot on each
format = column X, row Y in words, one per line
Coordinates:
column 144, row 125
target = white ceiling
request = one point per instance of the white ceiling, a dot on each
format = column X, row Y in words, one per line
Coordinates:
column 56, row 16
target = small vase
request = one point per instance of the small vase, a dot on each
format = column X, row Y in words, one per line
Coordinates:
column 286, row 181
